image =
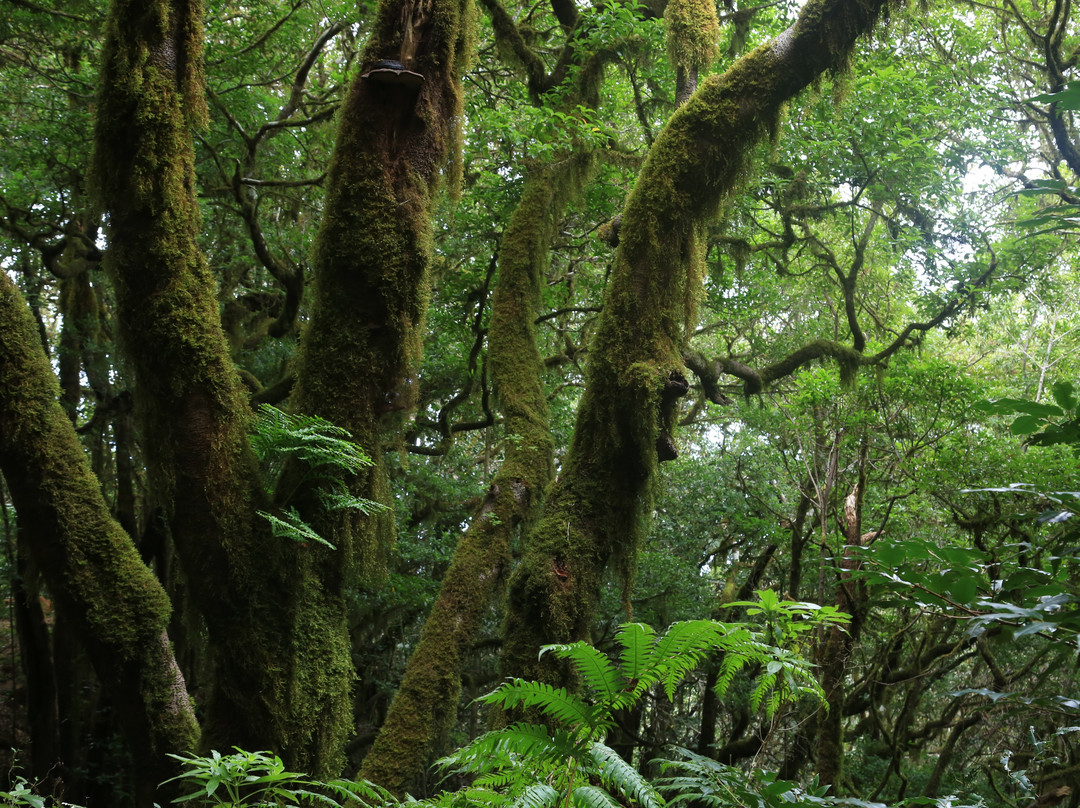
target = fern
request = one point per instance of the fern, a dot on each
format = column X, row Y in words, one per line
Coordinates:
column 527, row 765
column 638, row 651
column 290, row 526
column 592, row 797
column 325, row 451
column 597, row 673
column 554, row 702
column 278, row 436
column 620, row 777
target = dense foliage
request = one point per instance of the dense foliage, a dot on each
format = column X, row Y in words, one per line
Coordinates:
column 607, row 404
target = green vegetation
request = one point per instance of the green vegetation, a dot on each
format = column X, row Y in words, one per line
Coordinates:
column 501, row 403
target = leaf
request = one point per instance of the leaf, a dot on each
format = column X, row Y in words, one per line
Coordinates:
column 638, row 645
column 592, row 665
column 538, row 795
column 1025, row 425
column 1069, row 98
column 1064, row 392
column 556, row 702
column 593, row 797
column 622, row 778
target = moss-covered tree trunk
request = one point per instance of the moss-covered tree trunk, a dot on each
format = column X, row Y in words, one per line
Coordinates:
column 192, row 410
column 89, row 561
column 399, row 129
column 426, row 702
column 597, row 510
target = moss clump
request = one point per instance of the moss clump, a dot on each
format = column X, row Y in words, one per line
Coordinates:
column 693, row 32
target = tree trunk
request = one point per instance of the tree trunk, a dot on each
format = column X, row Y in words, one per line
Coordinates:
column 358, row 360
column 88, row 561
column 426, row 702
column 191, row 408
column 598, row 509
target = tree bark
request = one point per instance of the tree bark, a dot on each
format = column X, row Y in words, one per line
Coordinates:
column 358, row 360
column 191, row 408
column 426, row 702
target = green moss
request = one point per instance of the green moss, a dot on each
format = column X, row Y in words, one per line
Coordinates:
column 693, row 32
column 597, row 510
column 88, row 561
column 426, row 702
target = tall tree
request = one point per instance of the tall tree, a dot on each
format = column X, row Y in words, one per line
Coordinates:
column 597, row 510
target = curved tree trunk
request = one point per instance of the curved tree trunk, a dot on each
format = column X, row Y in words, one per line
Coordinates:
column 598, row 508
column 89, row 562
column 192, row 410
column 426, row 702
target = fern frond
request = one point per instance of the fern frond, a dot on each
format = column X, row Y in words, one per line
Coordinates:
column 316, row 441
column 509, row 748
column 467, row 798
column 622, row 778
column 638, row 656
column 592, row 665
column 682, row 648
column 336, row 500
column 290, row 526
column 556, row 702
column 593, row 797
column 537, row 795
column 362, row 792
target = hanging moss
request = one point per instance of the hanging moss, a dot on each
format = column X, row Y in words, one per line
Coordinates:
column 693, row 32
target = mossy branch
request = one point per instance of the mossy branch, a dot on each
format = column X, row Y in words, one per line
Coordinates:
column 508, row 35
column 601, row 502
column 849, row 358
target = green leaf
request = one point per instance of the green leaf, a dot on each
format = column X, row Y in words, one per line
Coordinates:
column 1065, row 394
column 1069, row 98
column 638, row 644
column 1025, row 425
column 592, row 665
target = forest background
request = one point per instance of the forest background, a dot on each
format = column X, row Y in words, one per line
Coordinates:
column 636, row 311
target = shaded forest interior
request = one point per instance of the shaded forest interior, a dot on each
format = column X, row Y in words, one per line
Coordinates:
column 598, row 404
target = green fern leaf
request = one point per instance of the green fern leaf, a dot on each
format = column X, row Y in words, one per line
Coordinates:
column 538, row 795
column 638, row 656
column 682, row 648
column 290, row 526
column 593, row 797
column 623, row 779
column 592, row 665
column 342, row 500
column 556, row 702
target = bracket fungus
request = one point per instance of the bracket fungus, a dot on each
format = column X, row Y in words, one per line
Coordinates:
column 391, row 71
